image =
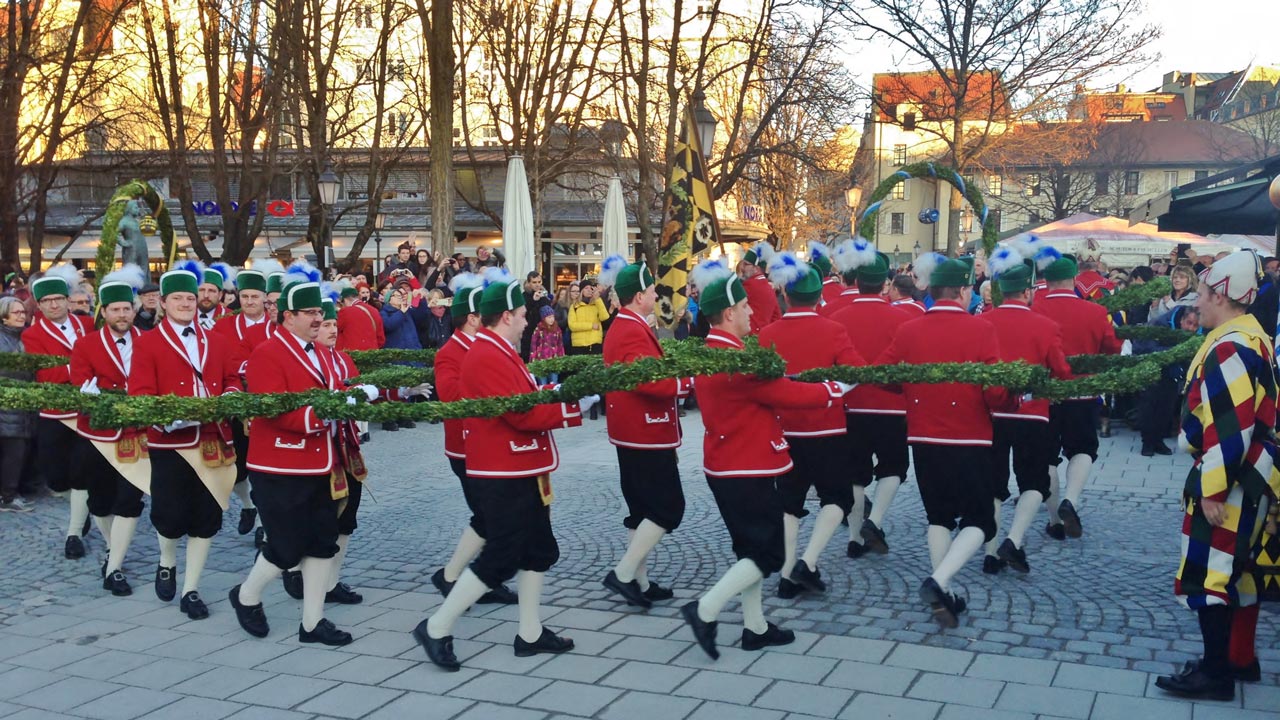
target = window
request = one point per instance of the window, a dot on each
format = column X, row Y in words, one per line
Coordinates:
column 1033, row 217
column 995, row 185
column 1170, row 179
column 898, row 224
column 363, row 13
column 1202, row 174
column 1131, row 182
column 397, row 70
column 1101, row 183
column 899, row 191
column 994, row 217
column 899, row 154
column 1031, row 185
column 909, row 121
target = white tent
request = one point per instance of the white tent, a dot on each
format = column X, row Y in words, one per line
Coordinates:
column 517, row 220
column 1117, row 243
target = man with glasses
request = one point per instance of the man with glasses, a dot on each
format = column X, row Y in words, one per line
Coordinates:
column 55, row 331
column 79, row 304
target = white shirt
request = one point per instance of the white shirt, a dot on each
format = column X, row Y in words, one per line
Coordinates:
column 189, row 343
column 249, row 322
column 311, row 354
column 125, row 346
column 68, row 329
column 206, row 320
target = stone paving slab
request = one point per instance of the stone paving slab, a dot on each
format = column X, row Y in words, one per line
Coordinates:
column 1082, row 636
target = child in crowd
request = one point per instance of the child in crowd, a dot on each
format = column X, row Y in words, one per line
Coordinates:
column 547, row 342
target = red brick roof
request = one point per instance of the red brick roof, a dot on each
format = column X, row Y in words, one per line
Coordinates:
column 932, row 94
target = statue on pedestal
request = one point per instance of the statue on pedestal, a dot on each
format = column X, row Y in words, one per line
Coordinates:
column 132, row 239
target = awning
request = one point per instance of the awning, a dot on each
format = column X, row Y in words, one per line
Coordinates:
column 1239, row 207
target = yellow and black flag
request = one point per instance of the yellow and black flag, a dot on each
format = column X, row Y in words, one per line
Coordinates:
column 689, row 225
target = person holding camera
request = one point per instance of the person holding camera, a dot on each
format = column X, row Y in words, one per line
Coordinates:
column 586, row 320
column 400, row 319
column 535, row 298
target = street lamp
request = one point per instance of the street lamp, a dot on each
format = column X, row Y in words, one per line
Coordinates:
column 329, row 185
column 706, row 123
column 852, row 198
column 378, row 221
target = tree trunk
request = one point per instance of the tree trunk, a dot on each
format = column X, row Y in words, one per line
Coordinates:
column 956, row 205
column 441, row 63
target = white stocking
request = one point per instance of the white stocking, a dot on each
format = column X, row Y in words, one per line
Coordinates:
column 1078, row 468
column 529, row 591
column 790, row 541
column 315, row 578
column 995, row 539
column 741, row 576
column 753, row 607
column 886, row 488
column 1023, row 515
column 261, row 574
column 824, row 527
column 469, row 546
column 168, row 551
column 104, row 527
column 643, row 540
column 967, row 542
column 1055, row 498
column 241, row 489
column 939, row 540
column 855, row 515
column 464, row 594
column 79, row 502
column 121, row 536
column 335, row 573
column 197, row 554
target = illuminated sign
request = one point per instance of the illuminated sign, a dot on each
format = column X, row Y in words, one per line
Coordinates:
column 275, row 208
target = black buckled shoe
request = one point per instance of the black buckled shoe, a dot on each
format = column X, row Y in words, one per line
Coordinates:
column 251, row 617
column 444, row 586
column 326, row 633
column 390, row 426
column 117, row 584
column 166, row 583
column 548, row 642
column 1055, row 531
column 703, row 632
column 657, row 593
column 630, row 591
column 193, row 606
column 1070, row 519
column 342, row 594
column 809, row 578
column 959, row 603
column 501, row 595
column 1161, row 449
column 292, row 580
column 439, row 650
column 788, row 589
column 773, row 636
column 941, row 603
column 74, row 549
column 1198, row 684
column 874, row 538
column 992, row 565
column 106, row 558
column 855, row 550
column 248, row 518
column 1013, row 556
column 407, row 424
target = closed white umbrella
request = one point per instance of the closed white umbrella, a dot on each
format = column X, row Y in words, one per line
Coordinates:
column 517, row 220
column 615, row 221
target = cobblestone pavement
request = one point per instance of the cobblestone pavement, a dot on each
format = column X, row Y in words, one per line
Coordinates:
column 1081, row 636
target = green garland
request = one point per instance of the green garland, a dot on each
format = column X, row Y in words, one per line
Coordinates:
column 376, row 358
column 1137, row 295
column 1158, row 334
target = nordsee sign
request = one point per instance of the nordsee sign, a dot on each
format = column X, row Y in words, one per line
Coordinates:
column 275, row 208
column 751, row 213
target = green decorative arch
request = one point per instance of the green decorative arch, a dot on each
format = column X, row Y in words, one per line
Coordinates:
column 867, row 224
column 106, row 259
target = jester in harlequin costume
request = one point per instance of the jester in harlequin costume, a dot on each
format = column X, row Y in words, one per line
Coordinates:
column 1228, row 426
column 55, row 331
column 114, row 462
column 846, row 258
column 464, row 310
column 209, row 308
column 949, row 428
column 819, row 449
column 510, row 459
column 744, row 454
column 192, row 462
column 644, row 427
column 875, row 417
column 760, row 293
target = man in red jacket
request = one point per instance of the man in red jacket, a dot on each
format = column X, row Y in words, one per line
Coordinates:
column 901, row 293
column 818, row 446
column 55, row 331
column 744, row 454
column 644, row 427
column 102, row 362
column 949, row 429
column 359, row 324
column 1037, row 340
column 761, row 296
column 209, row 308
column 192, row 463
column 510, row 459
column 465, row 313
column 1086, row 330
column 875, row 417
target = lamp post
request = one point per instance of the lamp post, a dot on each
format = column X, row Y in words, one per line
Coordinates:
column 329, row 186
column 379, row 221
column 852, row 198
column 706, row 123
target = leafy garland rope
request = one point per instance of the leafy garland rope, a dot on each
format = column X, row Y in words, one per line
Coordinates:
column 105, row 260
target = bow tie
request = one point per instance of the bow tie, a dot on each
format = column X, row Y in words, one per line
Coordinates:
column 120, row 342
column 309, row 347
column 188, row 331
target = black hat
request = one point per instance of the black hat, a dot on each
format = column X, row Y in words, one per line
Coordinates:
column 149, row 288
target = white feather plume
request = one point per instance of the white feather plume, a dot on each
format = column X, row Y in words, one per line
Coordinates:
column 228, row 274
column 268, row 267
column 764, row 251
column 67, row 272
column 497, row 275
column 785, row 269
column 924, row 267
column 853, row 254
column 300, row 271
column 1004, row 259
column 708, row 272
column 610, row 268
column 465, row 281
column 818, row 250
column 131, row 275
column 1047, row 256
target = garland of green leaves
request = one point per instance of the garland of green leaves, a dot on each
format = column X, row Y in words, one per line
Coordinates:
column 867, row 224
column 106, row 258
column 1137, row 295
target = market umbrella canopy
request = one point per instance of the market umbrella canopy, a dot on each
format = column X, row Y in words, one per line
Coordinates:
column 517, row 220
column 615, row 221
column 1115, row 241
column 1232, row 202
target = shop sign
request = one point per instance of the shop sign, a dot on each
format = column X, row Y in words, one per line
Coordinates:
column 275, row 208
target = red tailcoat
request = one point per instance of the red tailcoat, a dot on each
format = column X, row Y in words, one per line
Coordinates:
column 831, row 289
column 1029, row 336
column 1086, row 326
column 646, row 417
column 914, row 308
column 839, row 302
column 948, row 413
column 236, row 330
column 448, row 385
column 161, row 367
column 514, row 445
column 44, row 338
column 872, row 324
column 297, row 442
column 807, row 341
column 763, row 301
column 360, row 328
column 743, row 437
column 98, row 356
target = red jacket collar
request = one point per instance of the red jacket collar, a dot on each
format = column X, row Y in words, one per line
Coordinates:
column 1014, row 305
column 946, row 306
column 871, row 299
column 724, row 337
column 793, row 314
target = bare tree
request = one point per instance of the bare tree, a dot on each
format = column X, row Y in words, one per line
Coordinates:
column 1037, row 169
column 437, row 28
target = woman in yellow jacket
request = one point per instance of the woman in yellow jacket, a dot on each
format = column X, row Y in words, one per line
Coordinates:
column 586, row 321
